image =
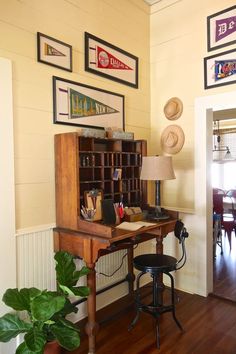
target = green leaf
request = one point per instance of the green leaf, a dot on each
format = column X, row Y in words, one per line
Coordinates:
column 66, row 323
column 81, row 291
column 35, row 340
column 67, row 309
column 66, row 290
column 76, row 291
column 19, row 300
column 68, row 338
column 23, row 349
column 67, row 275
column 43, row 307
column 83, row 271
column 11, row 326
column 65, row 268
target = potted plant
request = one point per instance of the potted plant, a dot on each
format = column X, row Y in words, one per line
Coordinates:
column 46, row 311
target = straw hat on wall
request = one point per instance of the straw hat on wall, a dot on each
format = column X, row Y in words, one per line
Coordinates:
column 172, row 139
column 173, row 108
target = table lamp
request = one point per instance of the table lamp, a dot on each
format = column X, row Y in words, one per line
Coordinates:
column 157, row 168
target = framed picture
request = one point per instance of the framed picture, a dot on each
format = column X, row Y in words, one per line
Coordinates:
column 53, row 52
column 92, row 200
column 221, row 28
column 86, row 106
column 220, row 69
column 104, row 59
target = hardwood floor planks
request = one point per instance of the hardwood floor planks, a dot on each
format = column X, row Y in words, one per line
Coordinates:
column 209, row 323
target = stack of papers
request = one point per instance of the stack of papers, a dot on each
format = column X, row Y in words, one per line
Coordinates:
column 133, row 226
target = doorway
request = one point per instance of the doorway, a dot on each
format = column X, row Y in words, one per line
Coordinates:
column 204, row 107
column 223, row 181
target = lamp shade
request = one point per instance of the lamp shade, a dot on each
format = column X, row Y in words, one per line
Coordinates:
column 157, row 168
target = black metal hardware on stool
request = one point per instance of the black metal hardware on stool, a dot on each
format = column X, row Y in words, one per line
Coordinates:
column 156, row 265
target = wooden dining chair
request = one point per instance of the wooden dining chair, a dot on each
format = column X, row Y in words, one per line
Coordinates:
column 227, row 219
column 218, row 191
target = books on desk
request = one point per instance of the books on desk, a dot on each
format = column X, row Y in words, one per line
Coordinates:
column 133, row 226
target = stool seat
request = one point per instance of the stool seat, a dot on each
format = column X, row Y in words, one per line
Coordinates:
column 155, row 263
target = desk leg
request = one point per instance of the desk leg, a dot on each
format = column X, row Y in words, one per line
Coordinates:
column 91, row 326
column 130, row 276
column 159, row 245
column 159, row 250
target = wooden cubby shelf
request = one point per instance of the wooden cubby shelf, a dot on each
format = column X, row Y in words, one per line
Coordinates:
column 82, row 164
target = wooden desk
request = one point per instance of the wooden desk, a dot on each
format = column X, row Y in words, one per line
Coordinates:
column 90, row 245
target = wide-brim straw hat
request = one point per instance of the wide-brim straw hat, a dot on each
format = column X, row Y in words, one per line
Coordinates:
column 172, row 139
column 173, row 108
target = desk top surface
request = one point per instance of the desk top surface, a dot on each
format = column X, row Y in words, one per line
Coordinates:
column 113, row 234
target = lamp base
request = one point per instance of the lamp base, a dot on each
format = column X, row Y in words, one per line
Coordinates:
column 157, row 214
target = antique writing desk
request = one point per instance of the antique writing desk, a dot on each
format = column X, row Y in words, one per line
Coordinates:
column 84, row 163
column 90, row 245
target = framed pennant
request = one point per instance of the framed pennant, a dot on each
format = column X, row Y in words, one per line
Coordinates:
column 53, row 52
column 221, row 28
column 107, row 60
column 86, row 106
column 220, row 69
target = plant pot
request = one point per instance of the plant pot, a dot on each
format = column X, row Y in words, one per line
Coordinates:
column 52, row 348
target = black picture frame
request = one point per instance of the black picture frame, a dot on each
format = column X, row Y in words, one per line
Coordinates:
column 218, row 21
column 107, row 60
column 86, row 106
column 54, row 52
column 220, row 69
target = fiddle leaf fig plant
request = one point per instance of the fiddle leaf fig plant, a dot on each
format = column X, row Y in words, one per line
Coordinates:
column 46, row 310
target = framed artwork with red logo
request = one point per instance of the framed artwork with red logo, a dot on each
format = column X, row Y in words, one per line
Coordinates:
column 107, row 60
column 220, row 69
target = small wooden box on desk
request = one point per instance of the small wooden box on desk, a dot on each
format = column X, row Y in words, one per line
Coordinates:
column 134, row 217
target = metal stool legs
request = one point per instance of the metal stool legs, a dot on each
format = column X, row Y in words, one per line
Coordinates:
column 137, row 302
column 156, row 308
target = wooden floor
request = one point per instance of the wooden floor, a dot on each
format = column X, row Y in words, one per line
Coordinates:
column 209, row 323
column 225, row 270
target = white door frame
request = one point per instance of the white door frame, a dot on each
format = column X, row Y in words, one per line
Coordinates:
column 7, row 192
column 204, row 107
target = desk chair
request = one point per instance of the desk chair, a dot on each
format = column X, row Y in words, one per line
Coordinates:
column 156, row 265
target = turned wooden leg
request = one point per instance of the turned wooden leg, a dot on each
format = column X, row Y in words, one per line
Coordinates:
column 159, row 245
column 159, row 250
column 131, row 276
column 91, row 326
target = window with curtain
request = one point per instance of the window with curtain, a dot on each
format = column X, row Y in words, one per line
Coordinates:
column 224, row 175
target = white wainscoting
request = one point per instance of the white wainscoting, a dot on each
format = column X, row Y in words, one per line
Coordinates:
column 35, row 263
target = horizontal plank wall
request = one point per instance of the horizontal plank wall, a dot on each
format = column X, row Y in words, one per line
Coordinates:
column 123, row 23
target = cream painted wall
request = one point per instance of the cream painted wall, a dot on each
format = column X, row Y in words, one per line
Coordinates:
column 178, row 41
column 122, row 23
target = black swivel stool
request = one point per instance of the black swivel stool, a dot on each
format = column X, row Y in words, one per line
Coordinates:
column 156, row 265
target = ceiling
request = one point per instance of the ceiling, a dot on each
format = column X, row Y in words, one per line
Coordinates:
column 152, row 2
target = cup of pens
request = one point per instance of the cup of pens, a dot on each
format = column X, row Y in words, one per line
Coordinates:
column 88, row 213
